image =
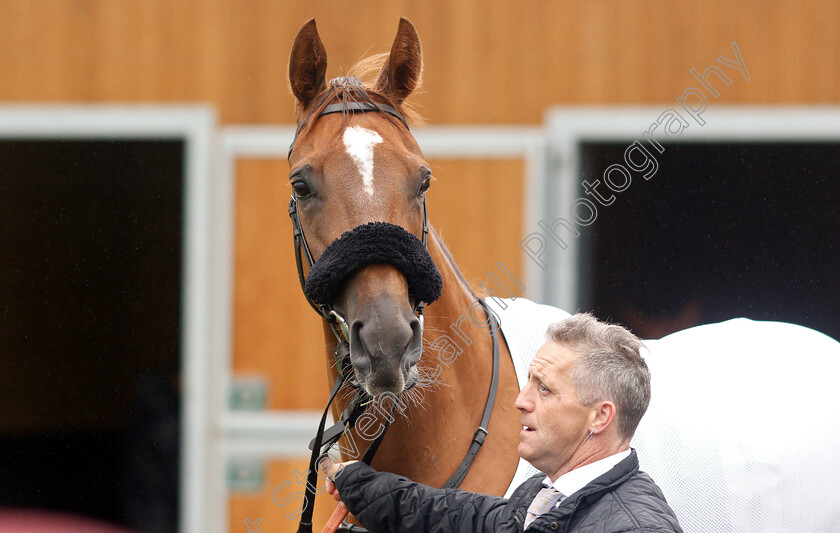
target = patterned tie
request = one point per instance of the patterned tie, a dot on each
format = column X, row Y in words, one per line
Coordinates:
column 546, row 499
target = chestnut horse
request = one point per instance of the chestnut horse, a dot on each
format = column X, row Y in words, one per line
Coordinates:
column 351, row 168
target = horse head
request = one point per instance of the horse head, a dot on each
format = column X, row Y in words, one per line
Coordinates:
column 359, row 182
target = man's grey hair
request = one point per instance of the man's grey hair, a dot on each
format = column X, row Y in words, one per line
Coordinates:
column 609, row 367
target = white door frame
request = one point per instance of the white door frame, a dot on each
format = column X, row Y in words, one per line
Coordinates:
column 568, row 127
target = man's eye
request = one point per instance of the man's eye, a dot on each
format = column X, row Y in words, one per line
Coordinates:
column 544, row 389
column 301, row 189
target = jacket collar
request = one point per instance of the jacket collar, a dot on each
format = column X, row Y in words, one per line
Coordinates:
column 589, row 494
column 595, row 489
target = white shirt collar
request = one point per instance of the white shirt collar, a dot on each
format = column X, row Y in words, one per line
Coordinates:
column 573, row 481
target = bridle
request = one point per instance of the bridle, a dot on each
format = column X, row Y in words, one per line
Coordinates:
column 338, row 325
column 336, row 320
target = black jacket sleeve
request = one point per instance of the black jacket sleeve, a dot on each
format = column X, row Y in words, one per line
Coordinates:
column 385, row 502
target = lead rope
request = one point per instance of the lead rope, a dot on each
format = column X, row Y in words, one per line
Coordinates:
column 305, row 525
column 338, row 516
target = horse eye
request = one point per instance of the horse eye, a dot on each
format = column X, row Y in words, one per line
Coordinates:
column 301, row 189
column 425, row 186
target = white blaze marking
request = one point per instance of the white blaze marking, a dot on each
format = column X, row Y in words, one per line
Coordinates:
column 359, row 143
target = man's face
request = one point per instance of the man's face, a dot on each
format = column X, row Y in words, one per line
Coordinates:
column 556, row 425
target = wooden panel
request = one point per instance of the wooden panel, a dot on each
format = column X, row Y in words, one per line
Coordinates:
column 277, row 505
column 275, row 333
column 507, row 66
column 476, row 207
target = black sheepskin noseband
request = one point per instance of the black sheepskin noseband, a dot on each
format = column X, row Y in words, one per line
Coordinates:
column 368, row 244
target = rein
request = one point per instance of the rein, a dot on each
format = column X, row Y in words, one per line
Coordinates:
column 341, row 354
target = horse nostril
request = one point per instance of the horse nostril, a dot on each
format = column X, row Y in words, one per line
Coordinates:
column 415, row 345
column 358, row 353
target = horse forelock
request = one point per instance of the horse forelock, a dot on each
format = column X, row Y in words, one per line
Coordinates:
column 359, row 85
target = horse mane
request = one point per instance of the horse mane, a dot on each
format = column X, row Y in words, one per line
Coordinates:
column 453, row 264
column 359, row 85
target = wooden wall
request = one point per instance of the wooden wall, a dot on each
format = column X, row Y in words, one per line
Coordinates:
column 486, row 62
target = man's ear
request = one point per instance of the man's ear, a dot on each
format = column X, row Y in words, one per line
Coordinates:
column 601, row 416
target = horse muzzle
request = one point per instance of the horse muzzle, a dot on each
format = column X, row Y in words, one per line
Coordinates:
column 385, row 347
column 385, row 334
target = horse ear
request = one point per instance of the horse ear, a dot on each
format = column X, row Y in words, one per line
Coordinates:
column 401, row 73
column 307, row 64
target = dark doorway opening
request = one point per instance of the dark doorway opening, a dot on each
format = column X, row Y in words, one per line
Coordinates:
column 722, row 230
column 90, row 327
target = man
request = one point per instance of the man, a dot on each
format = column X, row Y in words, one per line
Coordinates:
column 587, row 390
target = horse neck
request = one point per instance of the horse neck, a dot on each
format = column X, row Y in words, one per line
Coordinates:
column 455, row 315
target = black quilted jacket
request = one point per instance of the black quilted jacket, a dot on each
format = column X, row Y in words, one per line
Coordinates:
column 622, row 500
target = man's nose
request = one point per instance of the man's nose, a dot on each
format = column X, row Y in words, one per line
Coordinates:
column 521, row 400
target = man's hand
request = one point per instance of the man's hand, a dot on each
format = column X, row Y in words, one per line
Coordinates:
column 333, row 470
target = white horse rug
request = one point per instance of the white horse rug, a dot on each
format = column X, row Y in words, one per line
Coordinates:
column 743, row 429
